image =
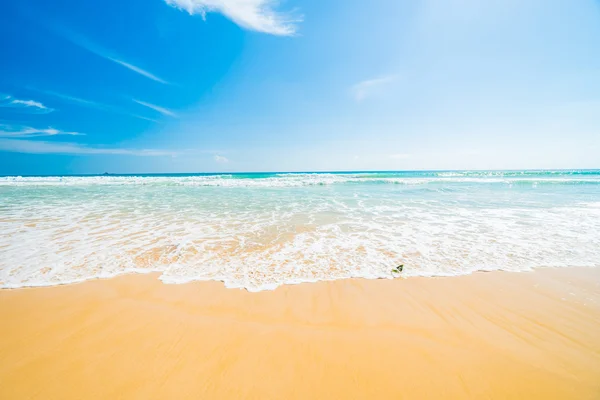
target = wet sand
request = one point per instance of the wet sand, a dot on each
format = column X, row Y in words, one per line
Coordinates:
column 484, row 336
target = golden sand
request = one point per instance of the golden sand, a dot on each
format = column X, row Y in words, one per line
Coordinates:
column 484, row 336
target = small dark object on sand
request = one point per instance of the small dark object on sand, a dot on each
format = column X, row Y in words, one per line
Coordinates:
column 398, row 269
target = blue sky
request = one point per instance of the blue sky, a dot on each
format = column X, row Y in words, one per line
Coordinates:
column 255, row 85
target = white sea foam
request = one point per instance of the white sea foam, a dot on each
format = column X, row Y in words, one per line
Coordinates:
column 290, row 180
column 262, row 233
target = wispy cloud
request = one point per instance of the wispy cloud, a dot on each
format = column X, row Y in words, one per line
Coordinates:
column 40, row 147
column 71, row 99
column 94, row 48
column 29, row 103
column 28, row 106
column 154, row 107
column 91, row 104
column 257, row 15
column 136, row 69
column 16, row 131
column 221, row 159
column 370, row 87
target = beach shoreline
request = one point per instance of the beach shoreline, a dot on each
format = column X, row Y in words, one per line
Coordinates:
column 486, row 335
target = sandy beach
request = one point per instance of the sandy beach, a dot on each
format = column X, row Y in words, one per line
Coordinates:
column 488, row 335
column 299, row 200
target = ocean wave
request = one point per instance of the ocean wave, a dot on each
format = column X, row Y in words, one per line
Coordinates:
column 261, row 239
column 313, row 179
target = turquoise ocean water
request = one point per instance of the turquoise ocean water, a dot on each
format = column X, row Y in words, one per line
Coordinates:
column 261, row 230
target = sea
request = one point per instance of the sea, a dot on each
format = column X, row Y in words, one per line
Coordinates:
column 258, row 231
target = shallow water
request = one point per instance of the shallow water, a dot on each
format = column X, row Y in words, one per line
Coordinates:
column 258, row 231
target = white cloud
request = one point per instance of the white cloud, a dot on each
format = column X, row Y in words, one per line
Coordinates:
column 8, row 101
column 30, row 103
column 154, row 107
column 86, row 44
column 256, row 15
column 370, row 87
column 91, row 104
column 27, row 131
column 40, row 147
column 221, row 159
column 137, row 69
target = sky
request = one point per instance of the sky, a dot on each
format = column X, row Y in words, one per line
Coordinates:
column 163, row 86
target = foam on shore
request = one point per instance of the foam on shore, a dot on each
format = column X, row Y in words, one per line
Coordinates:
column 260, row 232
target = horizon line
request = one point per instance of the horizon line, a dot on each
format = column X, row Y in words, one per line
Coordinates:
column 298, row 172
